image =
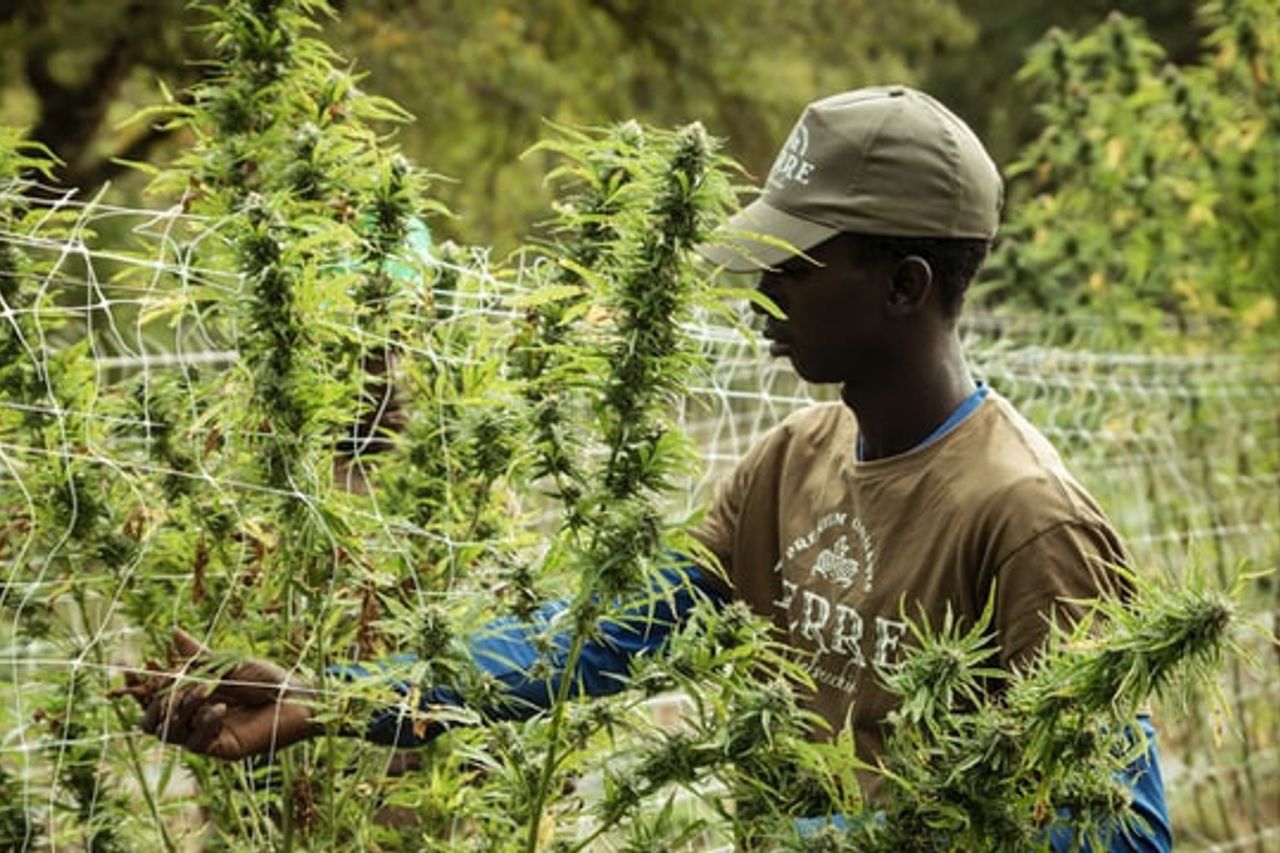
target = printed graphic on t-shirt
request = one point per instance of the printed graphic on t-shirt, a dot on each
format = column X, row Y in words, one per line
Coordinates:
column 826, row 574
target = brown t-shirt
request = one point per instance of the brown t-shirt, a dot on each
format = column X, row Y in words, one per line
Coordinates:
column 830, row 548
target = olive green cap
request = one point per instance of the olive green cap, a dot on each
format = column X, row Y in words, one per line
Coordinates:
column 885, row 160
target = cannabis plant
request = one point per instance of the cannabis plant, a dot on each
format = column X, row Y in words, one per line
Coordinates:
column 981, row 759
column 405, row 455
column 1148, row 202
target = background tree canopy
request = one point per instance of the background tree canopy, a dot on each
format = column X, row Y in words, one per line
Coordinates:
column 483, row 76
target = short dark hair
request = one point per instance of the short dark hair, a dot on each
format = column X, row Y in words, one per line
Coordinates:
column 954, row 260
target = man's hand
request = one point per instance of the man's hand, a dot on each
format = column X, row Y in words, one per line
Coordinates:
column 250, row 708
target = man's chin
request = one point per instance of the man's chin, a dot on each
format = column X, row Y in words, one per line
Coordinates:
column 781, row 350
column 799, row 367
column 811, row 376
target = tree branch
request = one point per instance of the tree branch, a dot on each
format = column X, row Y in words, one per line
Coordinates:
column 70, row 116
column 104, row 169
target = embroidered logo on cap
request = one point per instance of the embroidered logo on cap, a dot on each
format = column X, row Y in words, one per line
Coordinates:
column 791, row 165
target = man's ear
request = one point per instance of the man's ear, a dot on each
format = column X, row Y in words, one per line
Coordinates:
column 910, row 284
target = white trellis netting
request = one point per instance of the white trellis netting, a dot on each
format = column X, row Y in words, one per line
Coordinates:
column 1182, row 451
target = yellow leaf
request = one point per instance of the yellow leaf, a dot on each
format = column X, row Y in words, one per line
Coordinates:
column 1261, row 75
column 1183, row 188
column 1040, row 237
column 1200, row 213
column 1250, row 132
column 1123, row 217
column 1097, row 283
column 1259, row 313
column 1226, row 58
column 1115, row 151
column 547, row 294
column 1187, row 290
column 546, row 831
column 506, row 19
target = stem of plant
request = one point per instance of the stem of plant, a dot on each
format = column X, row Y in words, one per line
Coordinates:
column 549, row 766
column 135, row 766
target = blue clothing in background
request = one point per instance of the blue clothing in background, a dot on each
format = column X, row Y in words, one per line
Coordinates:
column 1144, row 780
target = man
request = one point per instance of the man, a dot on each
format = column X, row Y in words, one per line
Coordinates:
column 921, row 486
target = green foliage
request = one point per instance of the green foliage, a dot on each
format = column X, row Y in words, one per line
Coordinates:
column 239, row 500
column 988, row 94
column 980, row 759
column 362, row 481
column 482, row 76
column 640, row 201
column 17, row 829
column 745, row 746
column 745, row 69
column 243, row 519
column 1148, row 204
column 71, row 70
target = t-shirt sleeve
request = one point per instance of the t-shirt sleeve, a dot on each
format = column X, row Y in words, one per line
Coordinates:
column 719, row 527
column 1047, row 578
column 718, row 530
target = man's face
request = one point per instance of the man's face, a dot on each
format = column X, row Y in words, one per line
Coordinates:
column 835, row 323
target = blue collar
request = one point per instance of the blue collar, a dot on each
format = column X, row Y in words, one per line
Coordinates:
column 957, row 417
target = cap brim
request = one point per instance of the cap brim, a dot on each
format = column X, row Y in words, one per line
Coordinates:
column 760, row 236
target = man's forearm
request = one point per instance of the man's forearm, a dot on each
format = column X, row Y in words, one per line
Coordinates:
column 507, row 650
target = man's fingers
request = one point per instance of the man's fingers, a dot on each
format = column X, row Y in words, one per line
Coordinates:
column 187, row 646
column 214, row 706
column 227, row 746
column 257, row 731
column 171, row 728
column 157, row 703
column 205, row 727
column 141, row 687
column 141, row 694
column 172, row 716
column 254, row 682
column 189, row 704
column 154, row 714
column 135, row 687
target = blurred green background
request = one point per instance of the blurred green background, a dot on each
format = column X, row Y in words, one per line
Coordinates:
column 483, row 76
